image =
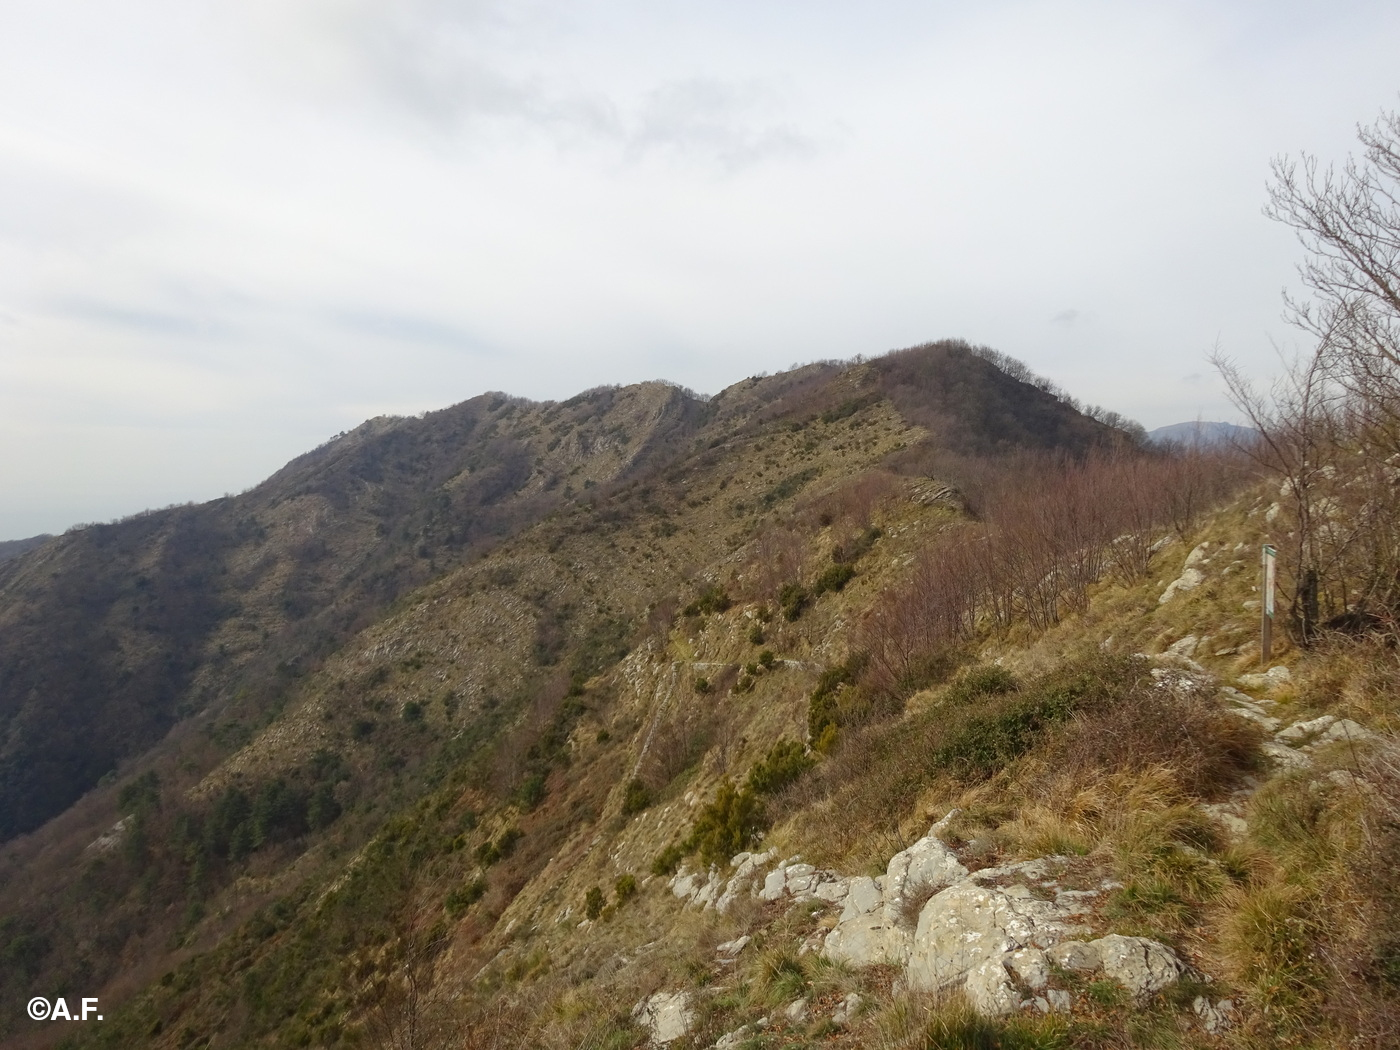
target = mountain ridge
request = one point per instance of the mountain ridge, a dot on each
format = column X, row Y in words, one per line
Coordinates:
column 482, row 678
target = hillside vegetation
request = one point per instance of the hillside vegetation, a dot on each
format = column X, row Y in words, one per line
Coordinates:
column 707, row 738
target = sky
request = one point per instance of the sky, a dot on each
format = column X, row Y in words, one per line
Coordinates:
column 230, row 229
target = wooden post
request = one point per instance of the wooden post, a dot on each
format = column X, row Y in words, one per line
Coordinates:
column 1266, row 605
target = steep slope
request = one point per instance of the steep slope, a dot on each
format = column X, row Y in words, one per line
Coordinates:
column 14, row 548
column 492, row 697
column 118, row 631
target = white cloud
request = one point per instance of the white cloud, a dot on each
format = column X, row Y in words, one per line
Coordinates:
column 278, row 218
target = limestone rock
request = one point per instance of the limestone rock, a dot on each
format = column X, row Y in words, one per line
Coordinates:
column 1075, row 956
column 969, row 923
column 847, row 1010
column 746, row 865
column 734, row 947
column 1300, row 731
column 798, row 1011
column 863, row 895
column 666, row 1016
column 1030, row 967
column 990, row 990
column 774, row 885
column 1274, row 676
column 1227, row 816
column 1184, row 646
column 1285, row 755
column 1189, row 580
column 111, row 838
column 1343, row 729
column 733, row 1040
column 1215, row 1017
column 803, row 882
column 1143, row 967
column 868, row 940
column 927, row 864
column 1243, row 706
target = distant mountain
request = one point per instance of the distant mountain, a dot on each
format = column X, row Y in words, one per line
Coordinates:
column 1199, row 432
column 122, row 631
column 14, row 548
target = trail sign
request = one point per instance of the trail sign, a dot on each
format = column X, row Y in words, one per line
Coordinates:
column 1268, row 557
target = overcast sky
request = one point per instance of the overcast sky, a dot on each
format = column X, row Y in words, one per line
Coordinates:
column 230, row 230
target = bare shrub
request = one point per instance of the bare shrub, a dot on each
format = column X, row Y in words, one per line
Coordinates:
column 854, row 500
column 1182, row 729
column 1050, row 529
column 677, row 744
column 780, row 555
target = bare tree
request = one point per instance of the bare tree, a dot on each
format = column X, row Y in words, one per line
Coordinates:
column 1348, row 221
column 1331, row 427
column 406, row 1009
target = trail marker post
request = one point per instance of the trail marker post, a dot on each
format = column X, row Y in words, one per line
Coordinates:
column 1268, row 556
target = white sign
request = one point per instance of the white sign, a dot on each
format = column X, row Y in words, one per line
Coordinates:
column 1269, row 555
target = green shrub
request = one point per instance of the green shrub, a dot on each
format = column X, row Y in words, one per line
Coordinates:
column 412, row 711
column 822, row 709
column 985, row 680
column 727, row 825
column 766, row 658
column 993, row 734
column 593, row 902
column 140, row 795
column 669, row 859
column 833, row 579
column 462, row 898
column 785, row 762
column 788, row 487
column 756, row 636
column 489, row 853
column 702, row 685
column 852, row 551
column 793, row 599
column 531, row 792
column 711, row 600
column 635, row 797
column 625, row 887
column 322, row 809
column 930, row 670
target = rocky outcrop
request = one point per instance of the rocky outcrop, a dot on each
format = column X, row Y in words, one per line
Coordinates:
column 1020, row 979
column 998, row 933
column 1191, row 575
column 926, row 866
column 667, row 1016
column 712, row 890
column 1273, row 677
column 990, row 915
column 803, row 882
column 995, row 933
